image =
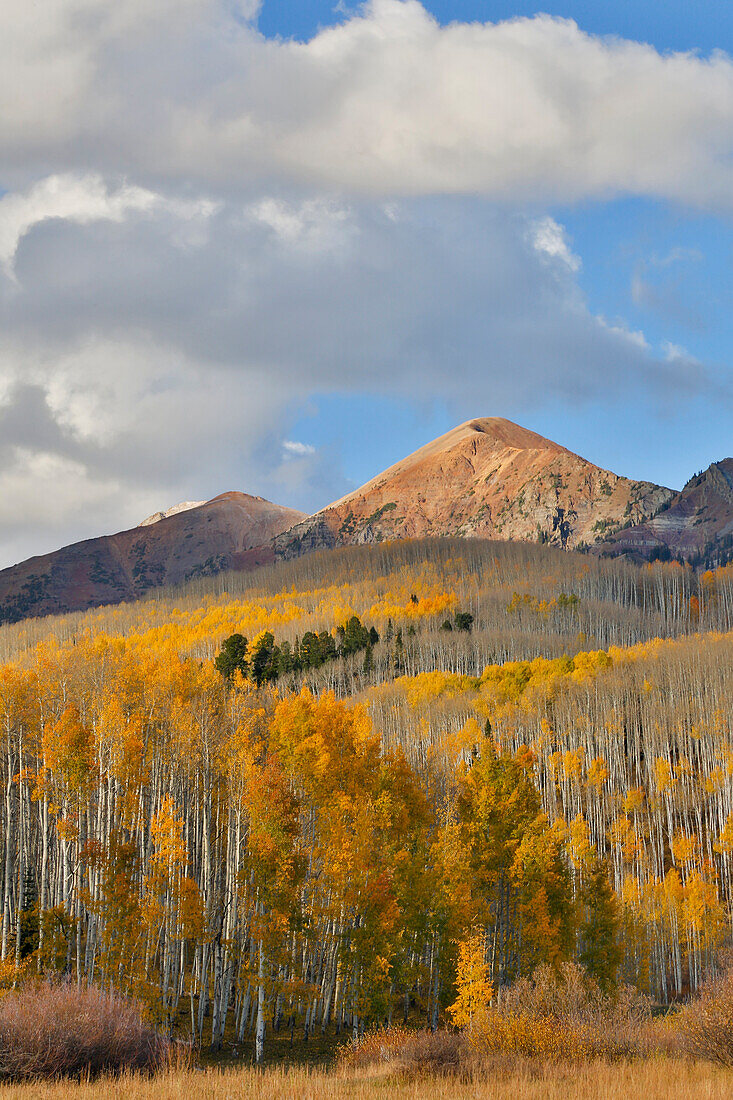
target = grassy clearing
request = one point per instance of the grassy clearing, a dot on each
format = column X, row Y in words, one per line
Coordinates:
column 649, row 1080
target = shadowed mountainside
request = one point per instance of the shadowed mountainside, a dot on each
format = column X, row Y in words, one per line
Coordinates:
column 232, row 531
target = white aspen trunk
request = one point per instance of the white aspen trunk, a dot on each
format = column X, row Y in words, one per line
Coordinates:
column 8, row 872
column 244, row 1014
column 260, row 1028
column 203, row 987
column 436, row 995
column 43, row 893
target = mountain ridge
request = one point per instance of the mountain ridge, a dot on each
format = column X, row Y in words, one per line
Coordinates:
column 486, row 478
column 697, row 524
column 233, row 530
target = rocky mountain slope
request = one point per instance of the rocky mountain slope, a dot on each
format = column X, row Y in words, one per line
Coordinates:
column 697, row 524
column 486, row 478
column 231, row 531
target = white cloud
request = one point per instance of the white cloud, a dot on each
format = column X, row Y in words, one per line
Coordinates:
column 43, row 486
column 386, row 103
column 294, row 449
column 676, row 353
column 248, row 10
column 636, row 338
column 310, row 224
column 549, row 238
column 204, row 228
column 82, row 199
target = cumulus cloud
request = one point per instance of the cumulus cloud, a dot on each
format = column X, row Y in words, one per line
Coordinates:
column 549, row 237
column 386, row 103
column 83, row 199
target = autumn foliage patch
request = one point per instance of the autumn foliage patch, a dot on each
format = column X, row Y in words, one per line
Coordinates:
column 551, row 1017
column 57, row 1030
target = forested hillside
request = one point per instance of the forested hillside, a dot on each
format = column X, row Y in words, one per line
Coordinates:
column 501, row 737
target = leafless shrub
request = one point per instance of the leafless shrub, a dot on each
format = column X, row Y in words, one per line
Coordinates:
column 705, row 1025
column 57, row 1030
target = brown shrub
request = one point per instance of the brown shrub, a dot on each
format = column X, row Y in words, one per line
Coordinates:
column 705, row 1025
column 57, row 1030
column 403, row 1050
column 562, row 1017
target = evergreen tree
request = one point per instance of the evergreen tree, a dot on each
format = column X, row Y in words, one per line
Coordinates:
column 232, row 656
column 264, row 656
column 354, row 636
column 399, row 653
column 285, row 661
column 310, row 650
column 327, row 647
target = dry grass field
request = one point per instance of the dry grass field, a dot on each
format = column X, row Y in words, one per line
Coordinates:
column 654, row 1079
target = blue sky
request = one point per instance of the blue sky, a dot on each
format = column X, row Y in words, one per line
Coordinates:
column 667, row 24
column 619, row 241
column 277, row 247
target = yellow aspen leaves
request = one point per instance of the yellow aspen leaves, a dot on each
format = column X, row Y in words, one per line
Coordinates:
column 473, row 988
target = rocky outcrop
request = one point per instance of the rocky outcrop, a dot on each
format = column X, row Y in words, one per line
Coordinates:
column 312, row 534
column 696, row 524
column 184, row 506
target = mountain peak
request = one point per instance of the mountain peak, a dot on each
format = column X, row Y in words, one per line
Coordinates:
column 720, row 473
column 488, row 478
column 484, row 434
column 184, row 506
column 232, row 531
column 507, row 432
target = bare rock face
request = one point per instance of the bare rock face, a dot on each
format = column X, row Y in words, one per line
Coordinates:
column 232, row 531
column 487, row 478
column 697, row 523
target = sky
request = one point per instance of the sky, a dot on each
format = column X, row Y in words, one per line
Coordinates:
column 276, row 247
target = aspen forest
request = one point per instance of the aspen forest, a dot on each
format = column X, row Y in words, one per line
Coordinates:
column 316, row 850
